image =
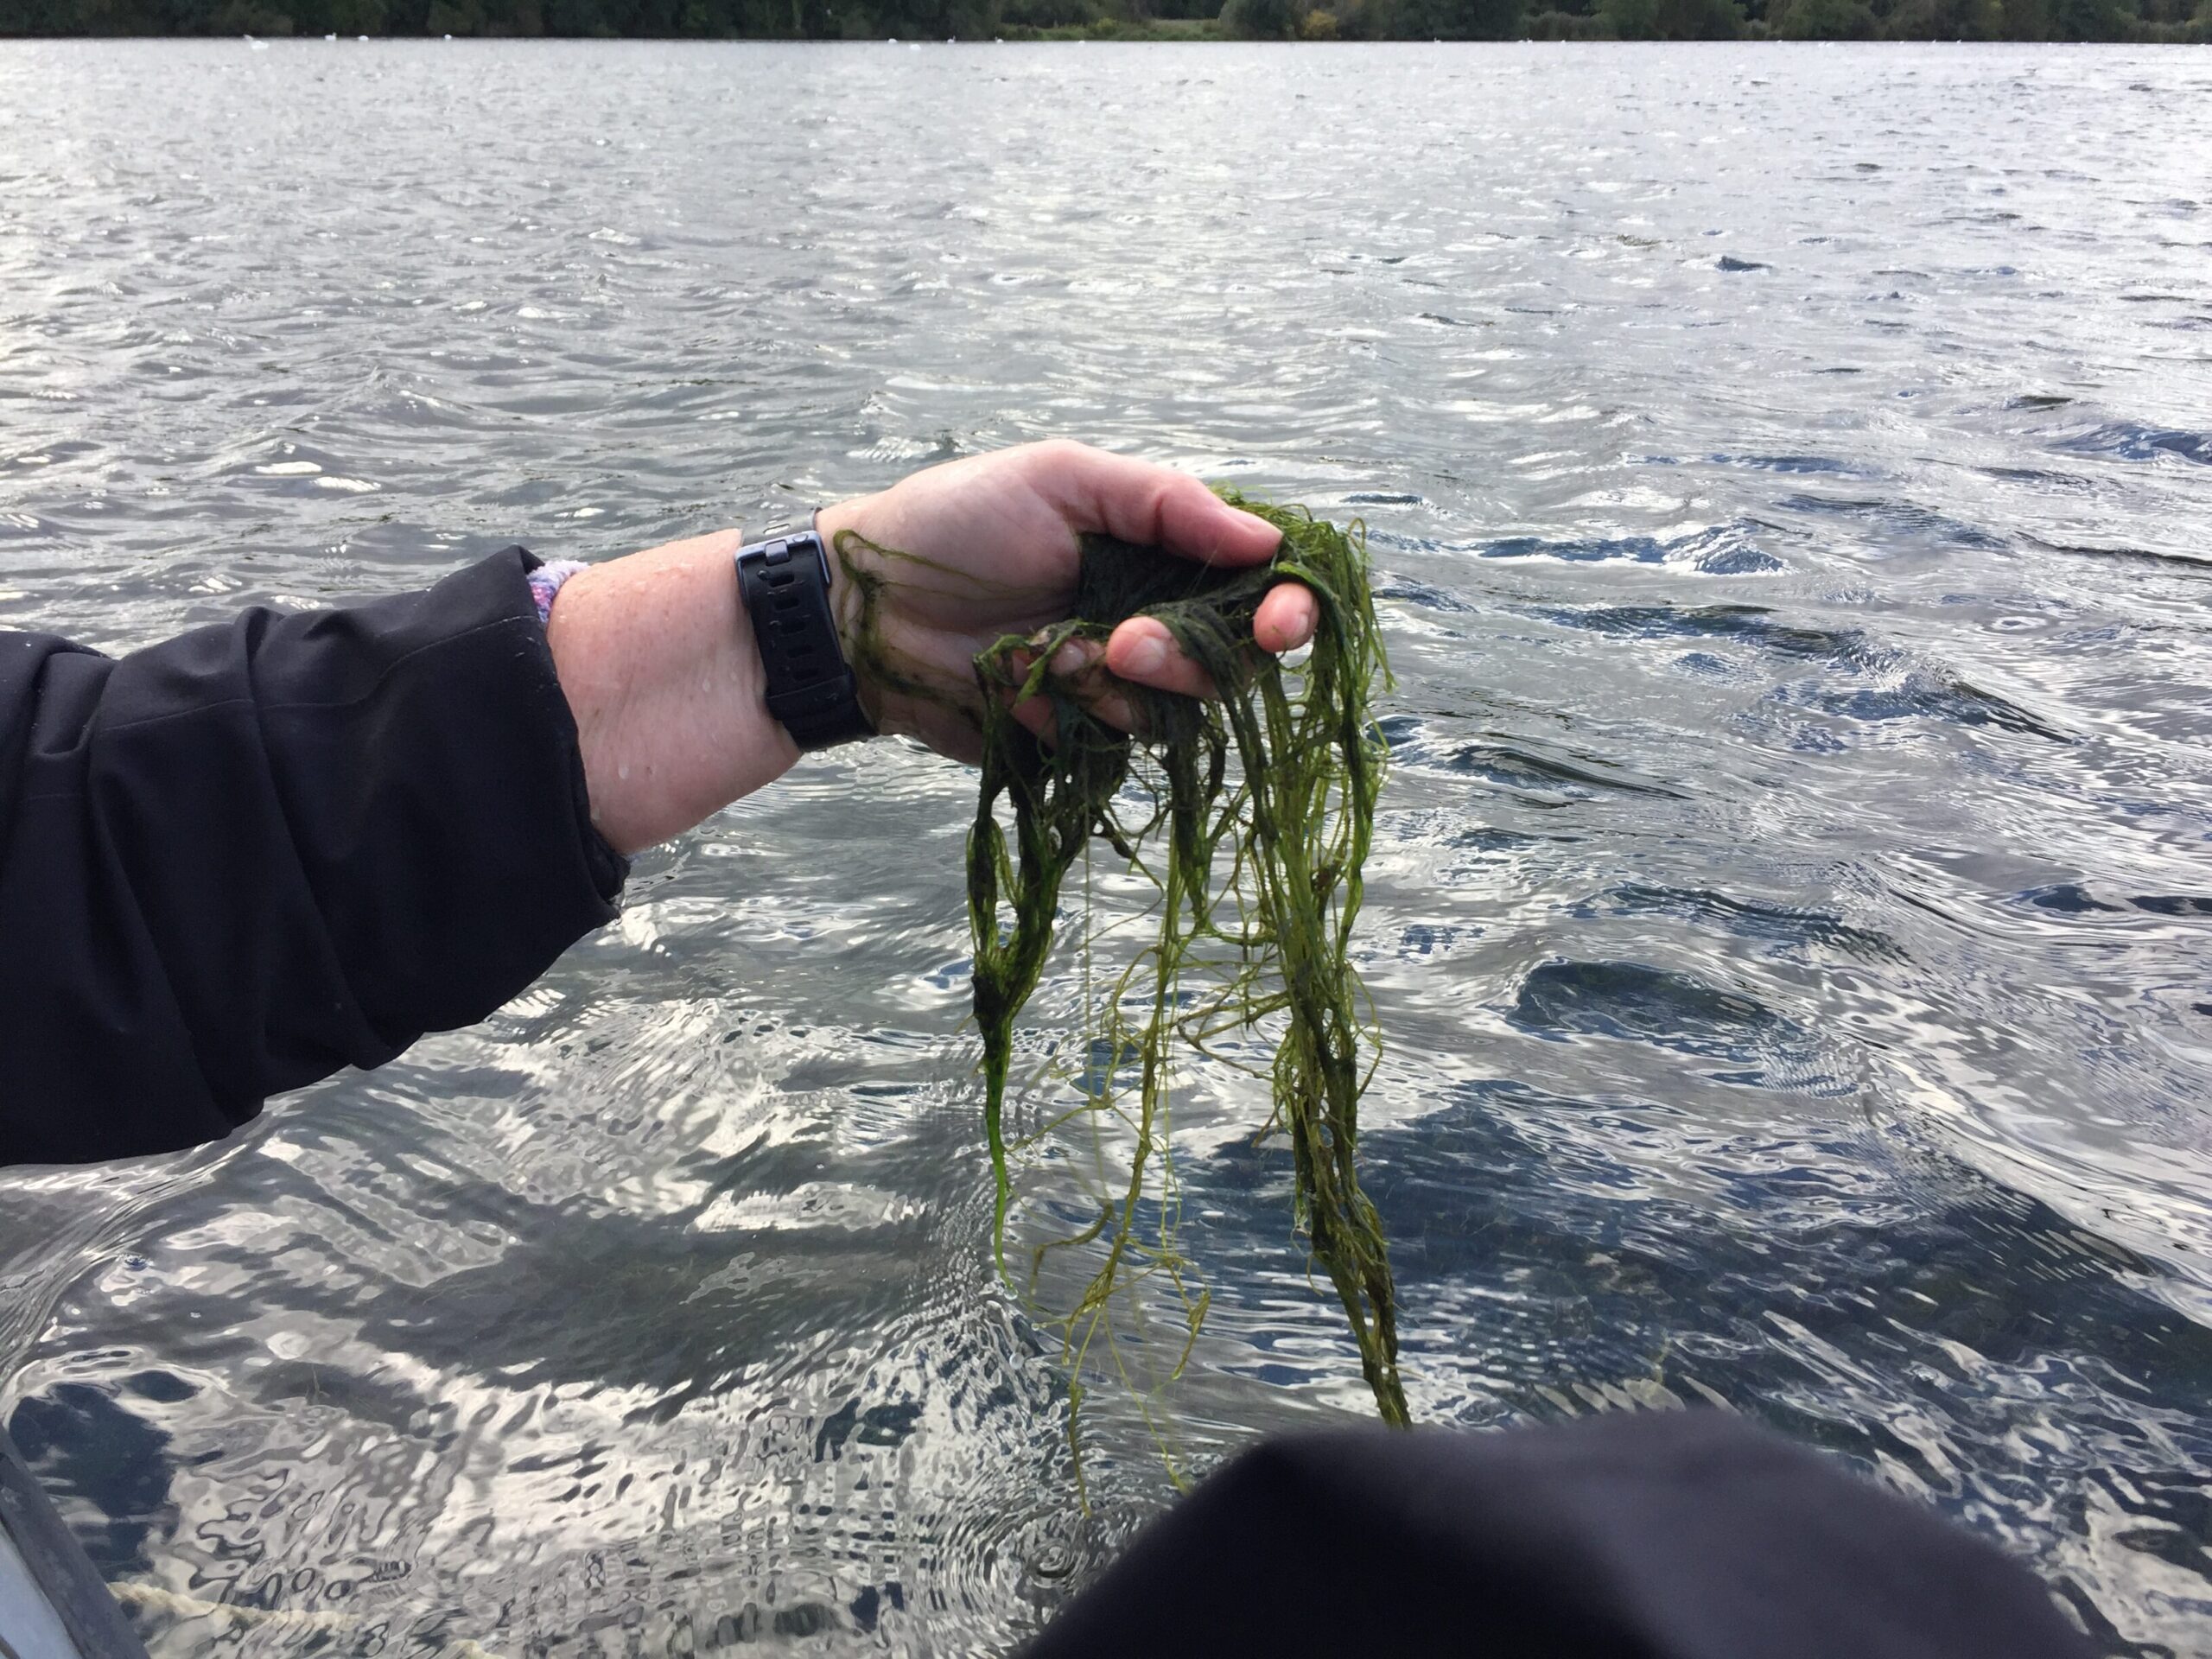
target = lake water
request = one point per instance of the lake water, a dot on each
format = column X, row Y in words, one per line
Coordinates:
column 1790, row 472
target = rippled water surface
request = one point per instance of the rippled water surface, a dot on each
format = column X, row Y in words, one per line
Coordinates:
column 1790, row 472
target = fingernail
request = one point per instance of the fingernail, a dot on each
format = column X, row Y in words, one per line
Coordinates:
column 1073, row 657
column 1148, row 656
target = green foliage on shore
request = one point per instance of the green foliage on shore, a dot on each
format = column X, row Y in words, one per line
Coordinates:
column 2174, row 21
column 2149, row 21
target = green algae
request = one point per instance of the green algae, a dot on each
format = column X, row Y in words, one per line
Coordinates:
column 1250, row 816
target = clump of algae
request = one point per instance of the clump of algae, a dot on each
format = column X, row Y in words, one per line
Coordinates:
column 1252, row 816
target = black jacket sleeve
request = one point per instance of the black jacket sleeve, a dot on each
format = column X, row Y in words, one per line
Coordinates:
column 1631, row 1535
column 233, row 863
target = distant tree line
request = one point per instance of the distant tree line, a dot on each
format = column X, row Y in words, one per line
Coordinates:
column 1285, row 20
column 2176, row 21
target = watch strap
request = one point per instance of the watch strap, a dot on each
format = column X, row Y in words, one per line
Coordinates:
column 810, row 688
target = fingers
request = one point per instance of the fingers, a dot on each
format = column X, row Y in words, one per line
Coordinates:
column 1141, row 650
column 1037, row 715
column 1151, row 506
column 1075, row 665
column 1287, row 618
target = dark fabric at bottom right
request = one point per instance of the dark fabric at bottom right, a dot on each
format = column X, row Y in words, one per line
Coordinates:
column 1660, row 1536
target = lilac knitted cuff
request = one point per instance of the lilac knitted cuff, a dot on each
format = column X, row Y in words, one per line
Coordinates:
column 545, row 582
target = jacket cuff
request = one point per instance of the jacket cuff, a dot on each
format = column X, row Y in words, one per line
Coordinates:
column 609, row 868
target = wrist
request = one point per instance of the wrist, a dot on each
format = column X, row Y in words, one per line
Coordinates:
column 851, row 570
column 902, row 621
column 784, row 584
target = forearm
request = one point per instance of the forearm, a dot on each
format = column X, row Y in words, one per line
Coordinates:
column 655, row 655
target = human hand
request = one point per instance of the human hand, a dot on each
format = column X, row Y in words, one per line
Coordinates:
column 992, row 546
column 655, row 653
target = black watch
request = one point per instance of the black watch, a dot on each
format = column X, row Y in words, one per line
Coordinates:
column 785, row 582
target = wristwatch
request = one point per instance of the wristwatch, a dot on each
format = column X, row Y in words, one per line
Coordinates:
column 785, row 583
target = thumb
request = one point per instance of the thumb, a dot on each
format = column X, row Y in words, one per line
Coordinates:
column 1149, row 505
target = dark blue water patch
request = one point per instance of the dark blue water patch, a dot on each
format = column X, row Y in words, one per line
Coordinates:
column 1741, row 561
column 1481, row 850
column 1926, row 695
column 1421, row 940
column 1489, row 840
column 1106, row 1064
column 802, row 1620
column 1723, row 550
column 163, row 1388
column 1640, row 550
column 1751, row 625
column 1405, row 734
column 1275, row 1372
column 2037, row 400
column 2042, row 478
column 1900, row 518
column 1783, row 463
column 1729, row 262
column 1443, row 321
column 1382, row 498
column 91, row 1452
column 2069, row 899
column 2128, row 441
column 887, row 1424
column 1561, row 999
column 868, row 1606
column 1706, row 665
column 1762, row 463
column 2087, row 550
column 2173, row 904
column 1421, row 595
column 1523, row 769
column 1720, row 550
column 1513, row 1208
column 1797, row 930
column 750, row 1626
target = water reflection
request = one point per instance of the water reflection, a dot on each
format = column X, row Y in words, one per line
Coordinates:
column 1788, row 918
